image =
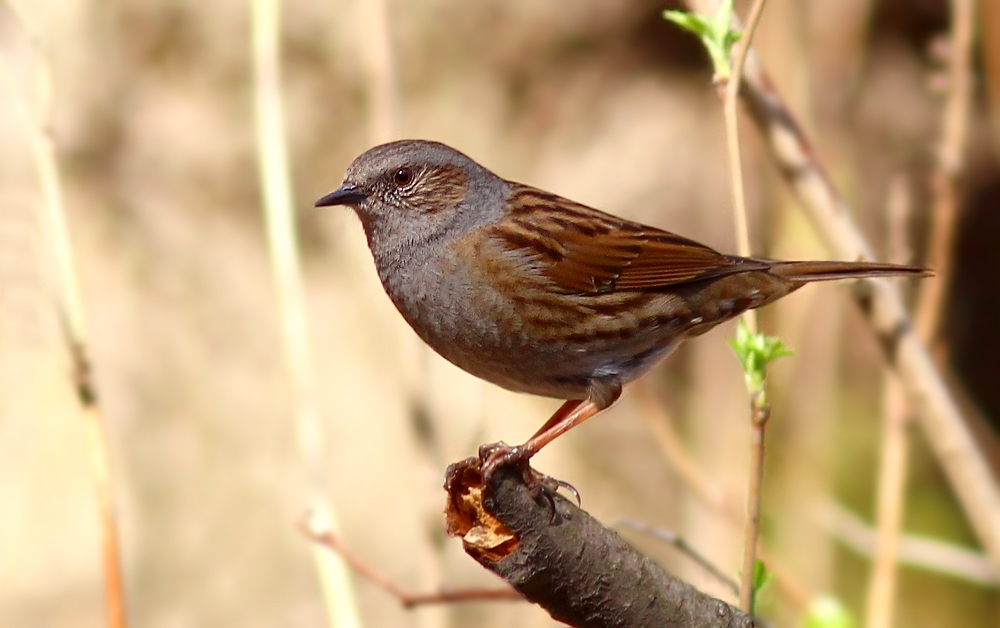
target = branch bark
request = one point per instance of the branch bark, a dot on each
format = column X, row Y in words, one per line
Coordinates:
column 559, row 557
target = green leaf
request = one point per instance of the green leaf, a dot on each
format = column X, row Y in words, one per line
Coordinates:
column 827, row 612
column 691, row 22
column 755, row 352
column 761, row 578
column 723, row 17
column 714, row 31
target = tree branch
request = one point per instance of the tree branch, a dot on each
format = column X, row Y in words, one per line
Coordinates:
column 939, row 416
column 559, row 557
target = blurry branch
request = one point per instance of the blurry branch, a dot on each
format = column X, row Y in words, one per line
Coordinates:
column 730, row 101
column 946, row 176
column 989, row 41
column 728, row 51
column 755, row 351
column 893, row 456
column 273, row 167
column 324, row 537
column 711, row 494
column 69, row 303
column 930, row 305
column 760, row 409
column 375, row 42
column 915, row 551
column 946, row 431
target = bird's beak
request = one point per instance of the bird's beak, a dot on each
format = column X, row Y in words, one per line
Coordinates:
column 346, row 194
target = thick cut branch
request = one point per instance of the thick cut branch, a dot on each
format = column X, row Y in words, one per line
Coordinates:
column 559, row 557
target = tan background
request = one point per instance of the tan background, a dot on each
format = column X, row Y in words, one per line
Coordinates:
column 601, row 102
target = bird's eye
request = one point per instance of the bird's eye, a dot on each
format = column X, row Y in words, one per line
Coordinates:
column 403, row 176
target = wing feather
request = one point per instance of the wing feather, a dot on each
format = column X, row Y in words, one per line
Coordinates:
column 583, row 250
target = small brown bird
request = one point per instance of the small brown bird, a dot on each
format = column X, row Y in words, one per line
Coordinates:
column 542, row 295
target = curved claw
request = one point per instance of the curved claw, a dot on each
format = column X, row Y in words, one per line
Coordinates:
column 569, row 487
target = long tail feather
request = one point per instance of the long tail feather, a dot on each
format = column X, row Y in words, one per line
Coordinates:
column 825, row 271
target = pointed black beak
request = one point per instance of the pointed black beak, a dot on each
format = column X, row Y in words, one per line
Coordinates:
column 346, row 194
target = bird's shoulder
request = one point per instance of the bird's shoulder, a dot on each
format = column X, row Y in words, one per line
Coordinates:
column 586, row 251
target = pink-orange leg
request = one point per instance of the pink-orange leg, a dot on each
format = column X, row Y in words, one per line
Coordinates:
column 568, row 416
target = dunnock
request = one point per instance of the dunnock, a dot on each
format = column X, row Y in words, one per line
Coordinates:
column 539, row 294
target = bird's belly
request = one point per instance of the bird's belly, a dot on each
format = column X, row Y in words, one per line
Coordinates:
column 560, row 358
column 555, row 349
column 559, row 369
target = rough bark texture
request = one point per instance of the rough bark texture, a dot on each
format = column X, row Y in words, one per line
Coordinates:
column 559, row 557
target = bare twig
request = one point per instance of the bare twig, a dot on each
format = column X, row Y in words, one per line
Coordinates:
column 989, row 45
column 759, row 408
column 944, row 211
column 760, row 412
column 69, row 305
column 326, row 538
column 939, row 416
column 273, row 165
column 710, row 493
column 950, row 162
column 893, row 458
column 731, row 100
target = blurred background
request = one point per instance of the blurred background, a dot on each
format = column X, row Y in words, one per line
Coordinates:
column 602, row 102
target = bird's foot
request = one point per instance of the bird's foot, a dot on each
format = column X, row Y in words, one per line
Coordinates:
column 496, row 455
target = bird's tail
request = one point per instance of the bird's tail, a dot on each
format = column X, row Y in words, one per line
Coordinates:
column 826, row 271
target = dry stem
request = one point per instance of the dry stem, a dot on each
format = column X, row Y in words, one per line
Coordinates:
column 944, row 210
column 893, row 457
column 273, row 165
column 760, row 409
column 963, row 462
column 69, row 305
column 950, row 160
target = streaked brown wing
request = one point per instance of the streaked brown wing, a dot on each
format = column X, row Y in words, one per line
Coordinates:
column 584, row 250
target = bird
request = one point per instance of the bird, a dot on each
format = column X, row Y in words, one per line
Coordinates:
column 540, row 294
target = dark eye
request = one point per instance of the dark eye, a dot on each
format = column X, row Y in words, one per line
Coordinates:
column 403, row 176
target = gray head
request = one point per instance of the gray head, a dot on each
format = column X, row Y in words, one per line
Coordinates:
column 409, row 191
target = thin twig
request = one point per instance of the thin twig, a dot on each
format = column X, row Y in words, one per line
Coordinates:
column 273, row 166
column 68, row 299
column 963, row 462
column 893, row 456
column 711, row 494
column 731, row 101
column 760, row 409
column 672, row 538
column 946, row 176
column 409, row 599
column 760, row 412
column 930, row 305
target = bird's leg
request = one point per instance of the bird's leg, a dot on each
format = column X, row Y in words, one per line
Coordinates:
column 558, row 416
column 568, row 416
